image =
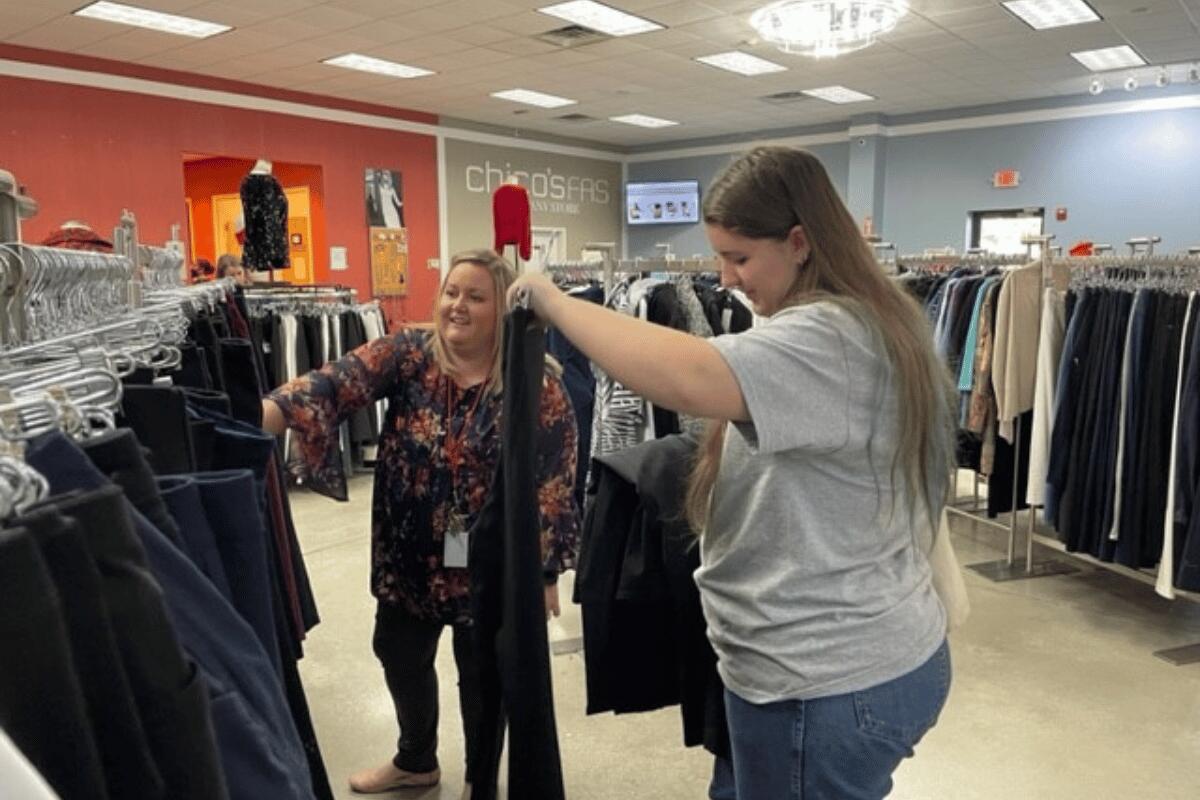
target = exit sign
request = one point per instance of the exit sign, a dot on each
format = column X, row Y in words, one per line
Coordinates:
column 1006, row 179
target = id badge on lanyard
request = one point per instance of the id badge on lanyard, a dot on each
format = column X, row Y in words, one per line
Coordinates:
column 457, row 539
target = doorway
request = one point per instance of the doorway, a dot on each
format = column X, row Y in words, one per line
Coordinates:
column 1001, row 232
column 227, row 212
column 211, row 188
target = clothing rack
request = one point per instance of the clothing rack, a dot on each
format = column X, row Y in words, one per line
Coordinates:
column 609, row 268
column 1011, row 567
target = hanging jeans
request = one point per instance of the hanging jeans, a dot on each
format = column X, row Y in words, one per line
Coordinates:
column 844, row 747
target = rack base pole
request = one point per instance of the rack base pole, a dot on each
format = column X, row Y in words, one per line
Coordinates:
column 1002, row 572
column 1180, row 656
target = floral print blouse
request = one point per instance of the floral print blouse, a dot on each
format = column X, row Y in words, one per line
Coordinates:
column 437, row 458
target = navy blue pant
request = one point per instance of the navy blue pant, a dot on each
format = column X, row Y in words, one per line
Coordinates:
column 260, row 750
column 42, row 706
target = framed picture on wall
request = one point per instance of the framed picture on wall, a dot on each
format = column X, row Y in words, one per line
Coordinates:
column 385, row 198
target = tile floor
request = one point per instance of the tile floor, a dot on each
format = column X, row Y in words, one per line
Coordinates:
column 1056, row 693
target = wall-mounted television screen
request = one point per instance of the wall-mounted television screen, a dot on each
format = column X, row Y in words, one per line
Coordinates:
column 662, row 202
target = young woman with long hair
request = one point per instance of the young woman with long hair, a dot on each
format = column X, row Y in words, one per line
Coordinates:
column 817, row 490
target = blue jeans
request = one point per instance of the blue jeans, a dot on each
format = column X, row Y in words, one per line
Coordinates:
column 844, row 747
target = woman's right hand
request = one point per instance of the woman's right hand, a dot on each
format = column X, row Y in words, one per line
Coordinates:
column 543, row 295
column 272, row 417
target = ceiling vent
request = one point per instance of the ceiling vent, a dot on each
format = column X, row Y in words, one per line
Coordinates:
column 575, row 118
column 786, row 98
column 572, row 36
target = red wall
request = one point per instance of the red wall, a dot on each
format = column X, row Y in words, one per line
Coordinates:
column 87, row 153
column 206, row 177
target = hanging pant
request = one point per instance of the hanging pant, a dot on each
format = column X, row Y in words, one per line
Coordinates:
column 507, row 592
column 42, row 705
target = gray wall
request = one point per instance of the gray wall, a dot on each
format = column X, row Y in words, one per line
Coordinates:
column 581, row 195
column 688, row 240
column 1118, row 177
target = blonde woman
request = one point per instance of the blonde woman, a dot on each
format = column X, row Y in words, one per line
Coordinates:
column 826, row 462
column 438, row 455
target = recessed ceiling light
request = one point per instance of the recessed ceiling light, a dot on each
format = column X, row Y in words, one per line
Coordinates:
column 600, row 17
column 838, row 94
column 1108, row 58
column 643, row 121
column 533, row 98
column 377, row 65
column 1044, row 14
column 741, row 63
column 154, row 20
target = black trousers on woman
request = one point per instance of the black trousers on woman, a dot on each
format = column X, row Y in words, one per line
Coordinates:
column 407, row 648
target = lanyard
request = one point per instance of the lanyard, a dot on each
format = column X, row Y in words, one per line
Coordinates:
column 454, row 447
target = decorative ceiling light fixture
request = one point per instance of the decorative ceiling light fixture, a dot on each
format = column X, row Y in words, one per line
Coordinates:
column 826, row 28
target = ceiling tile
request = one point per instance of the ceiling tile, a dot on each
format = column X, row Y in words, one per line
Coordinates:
column 69, row 33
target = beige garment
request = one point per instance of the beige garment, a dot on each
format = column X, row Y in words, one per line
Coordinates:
column 1014, row 357
column 982, row 403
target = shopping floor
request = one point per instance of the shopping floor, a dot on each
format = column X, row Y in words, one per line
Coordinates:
column 1056, row 695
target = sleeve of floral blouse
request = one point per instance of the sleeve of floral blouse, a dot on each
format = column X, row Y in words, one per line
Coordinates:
column 557, row 455
column 314, row 405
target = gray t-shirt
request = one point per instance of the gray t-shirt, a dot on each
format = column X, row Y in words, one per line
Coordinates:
column 814, row 575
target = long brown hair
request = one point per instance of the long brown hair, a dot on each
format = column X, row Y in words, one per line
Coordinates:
column 503, row 276
column 764, row 195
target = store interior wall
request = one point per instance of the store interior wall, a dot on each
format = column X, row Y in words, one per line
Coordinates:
column 689, row 240
column 86, row 153
column 203, row 178
column 1118, row 176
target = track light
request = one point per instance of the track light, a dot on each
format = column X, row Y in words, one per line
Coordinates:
column 1163, row 79
column 1096, row 86
column 1194, row 74
column 1131, row 84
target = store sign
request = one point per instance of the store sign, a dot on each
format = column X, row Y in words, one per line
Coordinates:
column 577, row 195
column 548, row 192
column 1006, row 179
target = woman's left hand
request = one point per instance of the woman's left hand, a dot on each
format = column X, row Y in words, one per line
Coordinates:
column 552, row 607
column 542, row 293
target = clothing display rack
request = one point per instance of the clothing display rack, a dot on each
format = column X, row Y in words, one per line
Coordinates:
column 1010, row 567
column 1170, row 272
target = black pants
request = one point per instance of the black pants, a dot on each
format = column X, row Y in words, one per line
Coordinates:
column 407, row 648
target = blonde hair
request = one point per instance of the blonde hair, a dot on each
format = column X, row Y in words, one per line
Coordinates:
column 503, row 277
column 764, row 195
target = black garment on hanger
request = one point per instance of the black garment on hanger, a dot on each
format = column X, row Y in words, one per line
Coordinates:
column 129, row 769
column 645, row 641
column 158, row 416
column 266, row 215
column 42, row 705
column 507, row 591
column 193, row 367
column 242, row 380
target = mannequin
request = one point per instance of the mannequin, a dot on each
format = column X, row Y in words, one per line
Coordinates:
column 265, row 211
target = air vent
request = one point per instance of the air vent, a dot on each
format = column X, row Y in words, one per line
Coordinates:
column 786, row 98
column 572, row 36
column 575, row 118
